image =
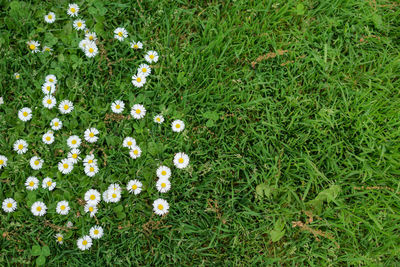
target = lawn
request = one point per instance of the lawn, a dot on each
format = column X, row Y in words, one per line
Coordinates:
column 291, row 112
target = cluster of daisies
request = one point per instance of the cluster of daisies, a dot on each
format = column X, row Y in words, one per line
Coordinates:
column 33, row 45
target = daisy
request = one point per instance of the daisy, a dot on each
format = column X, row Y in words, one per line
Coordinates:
column 89, row 160
column 59, row 238
column 48, row 138
column 66, row 106
column 91, row 36
column 158, row 119
column 114, row 196
column 62, row 207
column 83, row 44
column 96, row 232
column 151, row 57
column 178, row 126
column 65, row 166
column 51, row 79
column 135, row 152
column 138, row 80
column 181, row 160
column 160, row 206
column 32, row 183
column 49, row 101
column 91, row 170
column 73, row 10
column 3, row 161
column 92, row 196
column 33, row 46
column 9, row 205
column 105, row 196
column 38, row 208
column 163, row 172
column 114, row 188
column 163, row 185
column 48, row 88
column 25, row 114
column 36, row 163
column 91, row 49
column 69, row 224
column 84, row 243
column 73, row 155
column 73, row 141
column 118, row 106
column 136, row 45
column 21, row 146
column 144, row 70
column 90, row 135
column 138, row 111
column 56, row 124
column 134, row 186
column 120, row 34
column 90, row 208
column 129, row 142
column 17, row 75
column 1, row 100
column 48, row 183
column 50, row 18
column 47, row 49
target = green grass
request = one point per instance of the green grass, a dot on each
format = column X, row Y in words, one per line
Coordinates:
column 323, row 114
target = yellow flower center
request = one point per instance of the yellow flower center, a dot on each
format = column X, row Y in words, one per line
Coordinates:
column 39, row 208
column 136, row 46
column 79, row 24
column 117, row 106
column 163, row 173
column 90, row 161
column 74, row 156
column 160, row 207
column 48, row 101
column 178, row 126
column 129, row 143
column 91, row 209
column 47, row 49
column 73, row 142
column 36, row 162
column 144, row 70
column 181, row 160
column 9, row 205
column 91, row 169
column 50, row 16
column 59, row 239
column 49, row 183
column 48, row 138
column 91, row 37
column 138, row 111
column 66, row 107
column 62, row 207
column 65, row 166
column 163, row 185
column 134, row 187
column 31, row 184
column 151, row 56
column 84, row 242
column 1, row 162
column 32, row 47
column 56, row 123
column 135, row 152
column 120, row 34
column 72, row 10
column 138, row 79
column 91, row 50
column 51, row 80
column 17, row 76
column 92, row 197
column 114, row 195
column 25, row 113
column 91, row 134
column 20, row 146
column 48, row 88
column 96, row 232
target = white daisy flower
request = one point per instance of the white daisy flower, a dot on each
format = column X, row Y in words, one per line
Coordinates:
column 178, row 126
column 32, row 183
column 144, row 70
column 90, row 208
column 65, row 166
column 138, row 111
column 84, row 242
column 73, row 141
column 48, row 138
column 138, row 80
column 79, row 24
column 163, row 172
column 9, row 205
column 181, row 160
column 89, row 160
column 163, row 185
column 91, row 170
column 134, row 186
column 51, row 79
column 135, row 152
column 38, row 208
column 83, row 44
column 56, row 124
column 25, row 114
column 17, row 75
column 114, row 196
column 21, row 146
column 136, row 45
column 3, row 161
column 160, row 206
column 49, row 101
column 59, row 238
column 48, row 88
column 90, row 135
column 66, row 106
column 47, row 49
column 36, row 163
column 151, row 57
column 62, row 207
column 96, row 232
column 105, row 196
column 48, row 183
column 92, row 196
column 73, row 10
column 73, row 155
column 91, row 36
column 50, row 18
column 129, row 142
column 117, row 106
column 69, row 224
column 91, row 49
column 158, row 119
column 120, row 34
column 33, row 46
column 114, row 188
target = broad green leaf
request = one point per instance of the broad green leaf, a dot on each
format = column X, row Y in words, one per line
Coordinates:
column 41, row 260
column 36, row 250
column 45, row 251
